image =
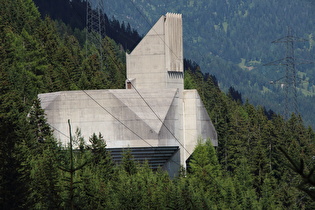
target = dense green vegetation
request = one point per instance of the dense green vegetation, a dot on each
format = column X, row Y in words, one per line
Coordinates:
column 74, row 13
column 246, row 170
column 232, row 40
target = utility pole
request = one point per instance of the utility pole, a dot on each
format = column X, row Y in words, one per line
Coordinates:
column 95, row 26
column 290, row 62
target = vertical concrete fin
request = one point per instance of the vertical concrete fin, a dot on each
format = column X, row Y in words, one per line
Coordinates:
column 174, row 42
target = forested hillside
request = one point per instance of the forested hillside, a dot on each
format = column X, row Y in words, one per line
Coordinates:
column 246, row 171
column 232, row 40
column 73, row 13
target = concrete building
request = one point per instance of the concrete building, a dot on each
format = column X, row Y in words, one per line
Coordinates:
column 154, row 116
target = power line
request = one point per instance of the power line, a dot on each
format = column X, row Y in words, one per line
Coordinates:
column 54, row 128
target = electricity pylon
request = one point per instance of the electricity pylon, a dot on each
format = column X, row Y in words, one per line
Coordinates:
column 95, row 26
column 290, row 62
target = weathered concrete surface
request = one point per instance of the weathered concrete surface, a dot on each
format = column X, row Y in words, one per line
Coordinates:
column 197, row 121
column 159, row 53
column 122, row 116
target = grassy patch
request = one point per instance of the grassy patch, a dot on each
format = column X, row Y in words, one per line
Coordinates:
column 242, row 63
column 225, row 26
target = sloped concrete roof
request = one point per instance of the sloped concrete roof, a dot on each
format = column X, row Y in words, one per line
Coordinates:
column 159, row 101
column 109, row 112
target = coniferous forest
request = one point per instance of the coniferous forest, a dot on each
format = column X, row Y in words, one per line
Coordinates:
column 262, row 161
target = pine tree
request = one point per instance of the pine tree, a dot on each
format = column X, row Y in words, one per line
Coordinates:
column 14, row 180
column 128, row 163
column 70, row 169
column 41, row 160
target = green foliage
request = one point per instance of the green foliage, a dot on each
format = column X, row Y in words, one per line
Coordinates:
column 101, row 158
column 204, row 162
column 128, row 163
column 307, row 174
column 45, row 175
column 14, row 176
column 188, row 82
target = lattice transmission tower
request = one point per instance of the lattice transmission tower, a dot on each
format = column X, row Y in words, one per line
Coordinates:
column 290, row 62
column 95, row 27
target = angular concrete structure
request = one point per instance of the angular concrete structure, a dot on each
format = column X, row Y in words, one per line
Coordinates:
column 157, row 61
column 154, row 111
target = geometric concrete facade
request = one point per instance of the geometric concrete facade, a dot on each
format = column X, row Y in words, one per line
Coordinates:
column 133, row 120
column 153, row 111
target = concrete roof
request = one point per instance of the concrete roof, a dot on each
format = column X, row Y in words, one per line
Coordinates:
column 98, row 107
column 159, row 101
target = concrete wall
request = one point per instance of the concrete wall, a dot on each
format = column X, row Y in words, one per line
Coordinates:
column 157, row 61
column 146, row 62
column 197, row 122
